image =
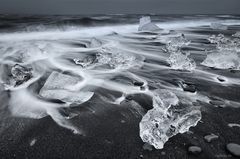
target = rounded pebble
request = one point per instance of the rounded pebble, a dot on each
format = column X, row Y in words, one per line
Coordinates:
column 234, row 149
column 194, row 149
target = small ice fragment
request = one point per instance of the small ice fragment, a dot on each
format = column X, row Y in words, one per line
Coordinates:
column 194, row 149
column 234, row 149
column 56, row 87
column 145, row 24
column 33, row 142
column 236, row 35
column 95, row 43
column 179, row 61
column 84, row 62
column 219, row 26
column 233, row 125
column 210, row 137
column 223, row 60
column 20, row 74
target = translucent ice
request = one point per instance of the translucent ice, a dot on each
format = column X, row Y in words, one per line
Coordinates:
column 20, row 74
column 145, row 24
column 224, row 43
column 174, row 44
column 177, row 59
column 237, row 34
column 156, row 127
column 166, row 119
column 116, row 58
column 94, row 43
column 223, row 60
column 56, row 87
column 180, row 61
column 218, row 26
column 164, row 98
column 84, row 61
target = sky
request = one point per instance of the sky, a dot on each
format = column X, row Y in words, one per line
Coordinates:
column 119, row 6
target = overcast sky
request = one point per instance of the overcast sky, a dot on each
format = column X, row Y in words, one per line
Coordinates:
column 120, row 6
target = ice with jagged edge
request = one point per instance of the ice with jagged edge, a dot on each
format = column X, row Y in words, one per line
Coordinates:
column 117, row 58
column 174, row 44
column 237, row 34
column 145, row 24
column 223, row 60
column 219, row 26
column 226, row 55
column 177, row 59
column 113, row 57
column 166, row 119
column 180, row 61
column 57, row 87
column 224, row 43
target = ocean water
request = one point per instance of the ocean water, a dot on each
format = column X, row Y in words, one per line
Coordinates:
column 87, row 72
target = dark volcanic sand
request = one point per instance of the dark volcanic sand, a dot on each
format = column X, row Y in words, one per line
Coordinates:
column 109, row 137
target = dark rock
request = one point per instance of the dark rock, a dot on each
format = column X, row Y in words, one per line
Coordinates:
column 221, row 79
column 129, row 97
column 234, row 149
column 189, row 88
column 194, row 150
column 137, row 83
column 217, row 102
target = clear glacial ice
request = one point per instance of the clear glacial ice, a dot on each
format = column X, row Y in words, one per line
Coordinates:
column 178, row 59
column 57, row 87
column 145, row 24
column 226, row 55
column 166, row 119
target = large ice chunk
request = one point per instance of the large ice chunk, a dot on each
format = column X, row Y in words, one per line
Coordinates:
column 145, row 24
column 174, row 44
column 224, row 43
column 156, row 127
column 223, row 60
column 166, row 119
column 180, row 61
column 56, row 87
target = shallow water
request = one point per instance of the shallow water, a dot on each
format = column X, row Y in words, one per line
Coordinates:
column 116, row 66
